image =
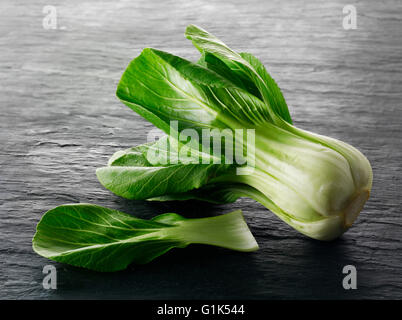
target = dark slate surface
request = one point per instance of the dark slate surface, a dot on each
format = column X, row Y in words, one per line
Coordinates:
column 60, row 120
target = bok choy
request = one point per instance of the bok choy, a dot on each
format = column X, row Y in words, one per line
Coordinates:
column 316, row 184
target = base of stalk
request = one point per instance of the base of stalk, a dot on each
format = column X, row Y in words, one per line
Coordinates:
column 356, row 205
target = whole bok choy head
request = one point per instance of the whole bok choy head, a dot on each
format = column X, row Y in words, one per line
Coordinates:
column 316, row 184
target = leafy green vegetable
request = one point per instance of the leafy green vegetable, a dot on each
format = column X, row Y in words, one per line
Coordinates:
column 316, row 184
column 243, row 65
column 102, row 239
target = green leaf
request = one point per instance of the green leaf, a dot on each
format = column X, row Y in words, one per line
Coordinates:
column 145, row 182
column 147, row 171
column 244, row 66
column 162, row 88
column 212, row 62
column 102, row 239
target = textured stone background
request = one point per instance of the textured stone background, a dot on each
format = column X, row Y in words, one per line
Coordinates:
column 60, row 120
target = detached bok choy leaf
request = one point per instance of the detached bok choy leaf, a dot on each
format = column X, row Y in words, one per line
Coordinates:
column 102, row 239
column 316, row 184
